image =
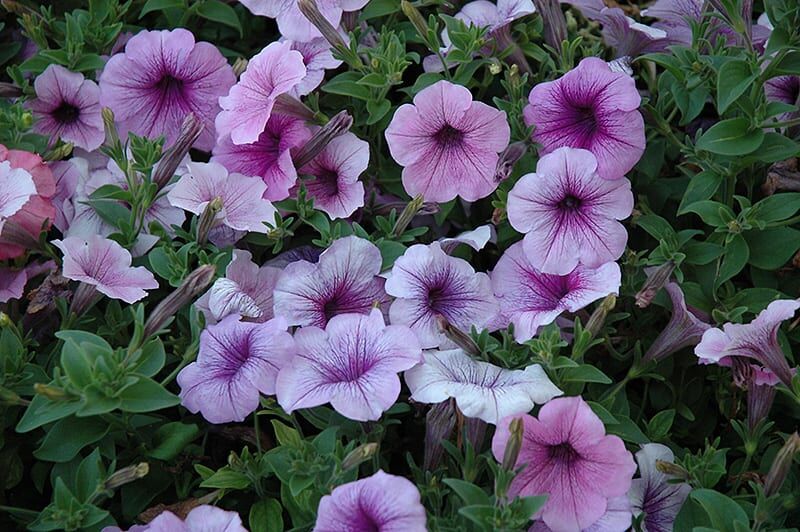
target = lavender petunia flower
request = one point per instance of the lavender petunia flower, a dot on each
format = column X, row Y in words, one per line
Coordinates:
column 628, row 37
column 292, row 23
column 16, row 188
column 784, row 89
column 317, row 57
column 67, row 105
column 675, row 17
column 67, row 175
column 203, row 518
column 12, row 284
column 427, row 283
column 335, row 188
column 162, row 77
column 568, row 457
column 243, row 208
column 593, row 108
column 353, row 364
column 382, row 502
column 757, row 340
column 447, row 143
column 269, row 157
column 569, row 214
column 276, row 70
column 344, row 280
column 685, row 328
column 237, row 361
column 245, row 290
column 307, row 253
column 106, row 265
column 481, row 390
column 618, row 518
column 531, row 299
column 652, row 494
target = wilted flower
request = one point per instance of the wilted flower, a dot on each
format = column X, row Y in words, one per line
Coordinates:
column 276, row 70
column 593, row 108
column 317, row 57
column 202, row 518
column 481, row 390
column 617, row 518
column 447, row 143
column 291, row 22
column 106, row 265
column 353, row 364
column 531, row 299
column 569, row 458
column 427, row 283
column 685, row 328
column 569, row 214
column 67, row 105
column 381, row 502
column 161, row 77
column 652, row 494
column 344, row 280
column 237, row 361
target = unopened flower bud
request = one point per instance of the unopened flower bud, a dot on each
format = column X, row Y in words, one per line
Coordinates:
column 290, row 106
column 507, row 160
column 7, row 397
column 5, row 320
column 408, row 214
column 126, row 475
column 208, row 219
column 673, row 470
column 86, row 296
column 338, row 125
column 416, row 18
column 9, row 90
column 311, row 11
column 781, row 465
column 513, row 445
column 555, row 25
column 457, row 336
column 439, row 424
column 191, row 287
column 598, row 317
column 50, row 392
column 239, row 66
column 112, row 137
column 58, row 153
column 759, row 402
column 656, row 279
column 359, row 455
column 191, row 128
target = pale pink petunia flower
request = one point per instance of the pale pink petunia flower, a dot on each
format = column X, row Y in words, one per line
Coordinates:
column 317, row 57
column 292, row 23
column 618, row 518
column 203, row 518
column 16, row 188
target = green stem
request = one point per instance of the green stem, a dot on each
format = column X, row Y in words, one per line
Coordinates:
column 785, row 123
column 258, row 433
column 789, row 221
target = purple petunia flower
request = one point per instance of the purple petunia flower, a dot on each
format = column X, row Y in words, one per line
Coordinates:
column 382, row 502
column 652, row 494
column 237, row 361
column 203, row 518
column 344, row 280
column 335, row 188
column 276, row 70
column 784, row 89
column 317, row 57
column 685, row 328
column 245, row 290
column 427, row 283
column 628, row 37
column 590, row 107
column 12, row 284
column 568, row 457
column 675, row 17
column 243, row 208
column 447, row 143
column 757, row 340
column 531, row 299
column 481, row 390
column 67, row 105
column 162, row 77
column 269, row 157
column 352, row 364
column 569, row 214
column 617, row 518
column 292, row 23
column 16, row 188
column 106, row 265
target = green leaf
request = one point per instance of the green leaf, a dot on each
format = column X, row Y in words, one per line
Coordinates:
column 765, row 254
column 373, row 79
column 346, row 84
column 146, row 396
column 659, row 426
column 43, row 410
column 379, row 8
column 80, row 337
column 710, row 509
column 531, row 505
column 390, row 252
column 700, row 253
column 656, row 226
column 152, row 358
column 298, row 483
column 627, row 430
column 170, row 439
column 776, row 147
column 732, row 137
column 736, row 254
column 469, row 492
column 605, row 416
column 221, row 12
column 266, row 515
column 702, row 186
column 68, row 436
column 77, row 363
column 776, row 207
column 480, row 514
column 377, row 110
column 286, row 435
column 225, row 478
column 734, row 77
column 584, row 373
column 159, row 5
column 713, row 213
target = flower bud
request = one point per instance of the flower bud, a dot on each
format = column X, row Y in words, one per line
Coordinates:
column 191, row 128
column 359, row 455
column 338, row 125
column 191, row 287
column 208, row 219
column 457, row 336
column 127, row 475
column 505, row 165
column 759, row 402
column 781, row 465
column 673, row 470
column 291, row 106
column 58, row 153
column 416, row 18
column 656, row 279
column 86, row 296
column 9, row 90
column 311, row 11
column 555, row 25
column 598, row 317
column 439, row 424
column 7, row 397
column 514, row 444
column 50, row 392
column 408, row 214
column 239, row 66
column 112, row 137
column 5, row 320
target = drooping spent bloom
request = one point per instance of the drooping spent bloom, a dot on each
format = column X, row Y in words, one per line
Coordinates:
column 37, row 212
column 203, row 518
column 652, row 494
column 16, row 188
column 317, row 57
column 353, row 364
column 569, row 214
column 428, row 283
column 243, row 208
column 569, row 458
column 106, row 265
column 292, row 24
column 162, row 77
column 685, row 328
column 275, row 70
column 67, row 105
column 531, row 299
column 245, row 290
column 237, row 361
column 628, row 37
column 618, row 518
column 593, row 108
column 269, row 157
column 335, row 188
column 447, row 143
column 382, row 502
column 481, row 390
column 757, row 340
column 343, row 280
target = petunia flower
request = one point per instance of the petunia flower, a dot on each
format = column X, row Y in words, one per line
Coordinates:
column 276, row 70
column 382, row 502
column 343, row 280
column 291, row 22
column 67, row 105
column 531, row 299
column 66, row 175
column 784, row 89
column 203, row 518
column 593, row 108
column 618, row 518
column 568, row 457
column 106, row 265
column 685, row 328
column 652, row 494
column 317, row 58
column 427, row 283
column 269, row 157
column 476, row 239
column 237, row 361
column 335, row 188
column 447, row 143
column 12, row 284
column 757, row 340
column 628, row 37
column 353, row 364
column 481, row 390
column 675, row 17
column 307, row 253
column 160, row 78
column 569, row 214
column 16, row 188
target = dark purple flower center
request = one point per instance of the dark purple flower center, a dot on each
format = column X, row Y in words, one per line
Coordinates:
column 326, row 183
column 170, row 86
column 563, row 452
column 449, row 136
column 570, row 203
column 66, row 113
